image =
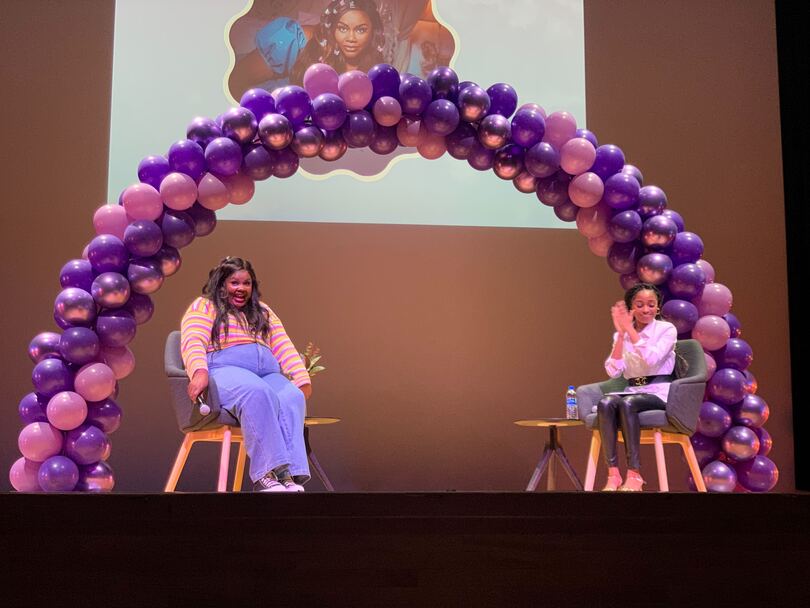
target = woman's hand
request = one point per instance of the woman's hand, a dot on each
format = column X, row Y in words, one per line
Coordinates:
column 622, row 318
column 198, row 383
column 307, row 390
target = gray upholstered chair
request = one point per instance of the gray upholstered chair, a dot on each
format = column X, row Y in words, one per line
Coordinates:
column 676, row 424
column 215, row 426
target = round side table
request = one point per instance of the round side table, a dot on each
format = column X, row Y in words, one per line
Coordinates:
column 553, row 449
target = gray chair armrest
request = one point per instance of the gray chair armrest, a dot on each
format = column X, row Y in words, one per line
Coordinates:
column 588, row 395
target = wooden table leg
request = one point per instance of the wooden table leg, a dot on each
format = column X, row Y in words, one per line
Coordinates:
column 538, row 471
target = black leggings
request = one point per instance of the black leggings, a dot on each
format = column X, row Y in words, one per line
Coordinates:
column 624, row 410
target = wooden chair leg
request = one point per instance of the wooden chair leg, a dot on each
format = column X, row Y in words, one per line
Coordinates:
column 179, row 463
column 694, row 466
column 660, row 461
column 593, row 461
column 224, row 459
column 239, row 473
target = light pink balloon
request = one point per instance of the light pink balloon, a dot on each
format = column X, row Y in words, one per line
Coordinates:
column 586, row 190
column 410, row 132
column 240, row 188
column 120, row 360
column 593, row 221
column 600, row 245
column 711, row 331
column 178, row 191
column 560, row 127
column 707, row 269
column 716, row 299
column 66, row 410
column 111, row 219
column 212, row 192
column 142, row 202
column 711, row 365
column 533, row 106
column 432, row 146
column 355, row 89
column 39, row 441
column 387, row 111
column 95, row 382
column 24, row 475
column 577, row 155
column 320, row 78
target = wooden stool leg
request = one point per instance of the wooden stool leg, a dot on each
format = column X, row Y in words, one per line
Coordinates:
column 694, row 466
column 663, row 481
column 179, row 463
column 224, row 458
column 572, row 475
column 593, row 461
column 313, row 460
column 538, row 470
column 239, row 473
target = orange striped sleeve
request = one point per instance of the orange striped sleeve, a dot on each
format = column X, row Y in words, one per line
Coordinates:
column 285, row 352
column 195, row 334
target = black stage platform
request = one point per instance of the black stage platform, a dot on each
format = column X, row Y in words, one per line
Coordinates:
column 404, row 549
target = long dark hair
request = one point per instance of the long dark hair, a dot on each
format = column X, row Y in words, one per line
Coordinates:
column 321, row 47
column 254, row 317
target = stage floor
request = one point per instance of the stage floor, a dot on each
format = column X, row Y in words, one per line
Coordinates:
column 404, row 549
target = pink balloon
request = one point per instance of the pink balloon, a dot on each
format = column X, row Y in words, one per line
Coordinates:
column 320, row 78
column 707, row 269
column 600, row 245
column 95, row 382
column 593, row 221
column 23, row 475
column 560, row 127
column 432, row 146
column 178, row 191
column 715, row 300
column 66, row 410
column 410, row 132
column 120, row 360
column 711, row 331
column 711, row 365
column 387, row 111
column 534, row 107
column 240, row 188
column 39, row 441
column 355, row 89
column 142, row 202
column 212, row 192
column 577, row 155
column 586, row 190
column 111, row 219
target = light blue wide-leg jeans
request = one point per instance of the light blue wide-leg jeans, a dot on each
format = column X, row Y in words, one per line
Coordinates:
column 270, row 409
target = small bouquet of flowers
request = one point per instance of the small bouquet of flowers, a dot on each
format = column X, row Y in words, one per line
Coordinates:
column 311, row 356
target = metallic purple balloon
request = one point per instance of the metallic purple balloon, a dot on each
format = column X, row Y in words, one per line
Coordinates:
column 144, row 275
column 706, row 448
column 629, row 280
column 658, row 231
column 329, row 111
column 553, row 190
column 736, row 354
column 765, row 441
column 58, row 474
column 358, row 129
column 259, row 102
column 441, row 117
column 77, row 273
column 115, row 327
column 622, row 257
column 481, row 158
column 414, row 96
column 654, row 268
column 294, row 103
column 385, row 140
column 384, row 82
column 740, row 443
column 32, row 408
column 334, row 146
column 733, row 324
column 719, row 477
column 508, row 161
column 169, row 259
column 752, row 411
column 466, row 83
column 110, row 290
column 567, row 211
column 86, row 444
column 461, row 141
column 285, row 163
column 177, row 227
column 634, row 171
column 686, row 281
column 609, row 160
column 105, row 415
column 51, row 376
column 45, row 345
column 205, row 220
column 625, row 226
column 74, row 306
column 682, row 314
column 143, row 238
column 107, row 253
column 141, row 307
column 686, row 248
column 203, row 131
column 621, row 191
column 307, row 142
column 79, row 345
column 186, row 156
column 651, row 201
column 503, row 99
column 494, row 131
column 96, row 477
column 542, row 160
column 590, row 136
column 152, row 170
column 528, row 127
column 714, row 420
column 257, row 163
column 473, row 103
column 758, row 474
column 240, row 125
column 726, row 386
column 751, row 384
column 223, row 156
column 674, row 216
column 525, row 182
column 275, row 131
column 443, row 82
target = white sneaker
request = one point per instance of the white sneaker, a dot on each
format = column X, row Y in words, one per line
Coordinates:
column 290, row 485
column 269, row 483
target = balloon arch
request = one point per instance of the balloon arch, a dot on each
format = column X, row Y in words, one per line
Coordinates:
column 106, row 294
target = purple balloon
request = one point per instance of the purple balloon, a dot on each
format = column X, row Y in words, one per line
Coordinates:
column 141, row 307
column 186, row 156
column 503, row 99
column 740, row 443
column 508, row 161
column 86, row 444
column 107, row 253
column 622, row 257
column 240, row 125
column 752, row 411
column 358, row 129
column 714, row 420
column 733, row 324
column 654, row 268
column 543, row 160
column 589, row 135
column 634, row 171
column 674, row 216
column 259, row 102
column 758, row 474
column 285, row 163
column 525, row 182
column 441, row 117
column 706, row 448
column 96, row 477
column 115, row 327
column 77, row 273
column 553, row 190
column 461, row 141
column 686, row 248
column 494, row 131
column 625, row 226
column 74, row 306
column 143, row 238
column 307, row 142
column 257, row 163
column 32, row 408
column 443, row 82
column 275, row 131
column 473, row 103
column 414, row 96
column 329, row 111
column 58, row 474
column 481, row 158
column 385, row 140
column 45, row 345
column 203, row 131
column 736, row 354
column 169, row 259
column 51, row 376
column 334, row 146
column 652, row 201
column 79, row 345
column 609, row 160
column 629, row 280
column 144, row 275
column 152, row 170
column 765, row 441
column 528, row 127
column 110, row 290
column 293, row 102
column 223, row 156
column 384, row 82
column 105, row 415
column 621, row 191
column 205, row 220
column 658, row 232
column 177, row 228
column 682, row 314
column 726, row 386
column 686, row 281
column 719, row 477
column 567, row 211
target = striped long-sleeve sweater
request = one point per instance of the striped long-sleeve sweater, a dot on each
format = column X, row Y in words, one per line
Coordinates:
column 195, row 340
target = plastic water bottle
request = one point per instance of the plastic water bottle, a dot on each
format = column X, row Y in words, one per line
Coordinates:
column 571, row 410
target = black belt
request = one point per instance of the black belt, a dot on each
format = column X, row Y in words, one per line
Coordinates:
column 645, row 380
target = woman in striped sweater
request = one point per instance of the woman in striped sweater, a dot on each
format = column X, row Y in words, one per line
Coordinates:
column 231, row 335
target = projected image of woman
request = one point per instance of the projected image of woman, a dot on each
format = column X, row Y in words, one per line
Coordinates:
column 644, row 353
